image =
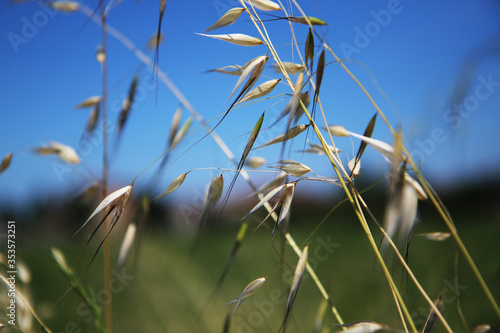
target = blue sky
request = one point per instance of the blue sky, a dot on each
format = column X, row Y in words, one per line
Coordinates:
column 414, row 49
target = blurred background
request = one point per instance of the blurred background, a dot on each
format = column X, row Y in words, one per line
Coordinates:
column 432, row 67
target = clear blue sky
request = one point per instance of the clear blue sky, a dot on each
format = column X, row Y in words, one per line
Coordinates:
column 415, row 53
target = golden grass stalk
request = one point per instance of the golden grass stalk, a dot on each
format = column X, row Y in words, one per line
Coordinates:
column 237, row 38
column 228, row 18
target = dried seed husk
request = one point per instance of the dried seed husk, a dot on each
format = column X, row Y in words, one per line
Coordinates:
column 319, row 150
column 5, row 162
column 89, row 102
column 286, row 200
column 482, row 329
column 174, row 126
column 437, row 236
column 127, row 104
column 293, row 167
column 215, row 191
column 290, row 134
column 261, row 90
column 354, row 167
column 382, row 147
column 295, row 102
column 416, row 186
column 251, row 288
column 265, row 5
column 255, row 162
column 238, row 39
column 63, row 152
column 182, row 132
column 309, row 50
column 254, row 69
column 174, row 185
column 92, row 121
column 297, row 278
column 154, row 40
column 265, row 199
column 290, row 67
column 432, row 319
column 128, row 241
column 273, row 183
column 363, row 327
column 227, row 19
column 118, row 198
column 64, row 6
column 302, row 20
column 337, row 130
column 100, row 55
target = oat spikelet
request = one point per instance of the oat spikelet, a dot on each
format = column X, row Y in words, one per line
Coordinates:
column 255, row 162
column 116, row 200
column 238, row 39
column 297, row 278
column 227, row 19
column 290, row 134
column 5, row 162
column 337, row 130
column 260, row 91
column 128, row 241
column 363, row 327
column 265, row 5
column 290, row 67
column 64, row 6
column 174, row 185
column 251, row 288
column 89, row 102
column 293, row 168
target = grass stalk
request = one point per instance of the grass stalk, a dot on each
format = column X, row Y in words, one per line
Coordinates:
column 108, row 311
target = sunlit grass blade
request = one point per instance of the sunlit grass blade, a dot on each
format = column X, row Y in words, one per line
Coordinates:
column 174, row 185
column 238, row 39
column 228, row 18
column 261, row 90
column 290, row 134
column 251, row 288
column 294, row 288
column 5, row 162
column 265, row 5
column 89, row 102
